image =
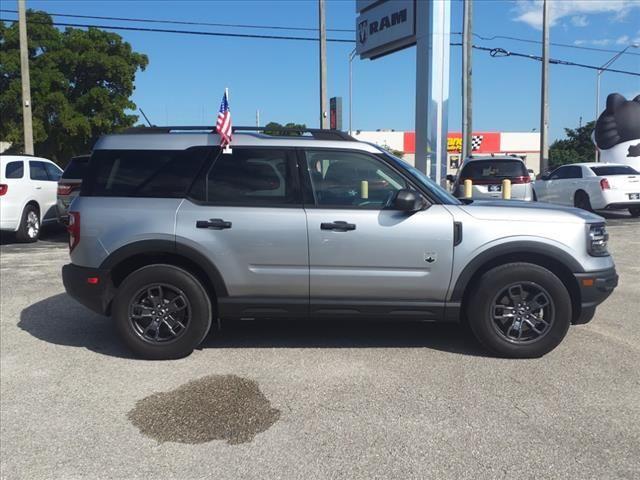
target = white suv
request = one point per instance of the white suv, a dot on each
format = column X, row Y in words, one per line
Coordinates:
column 28, row 187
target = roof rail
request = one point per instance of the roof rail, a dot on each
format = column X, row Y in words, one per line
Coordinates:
column 317, row 133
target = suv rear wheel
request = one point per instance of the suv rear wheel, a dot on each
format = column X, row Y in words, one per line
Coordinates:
column 162, row 312
column 29, row 230
column 520, row 310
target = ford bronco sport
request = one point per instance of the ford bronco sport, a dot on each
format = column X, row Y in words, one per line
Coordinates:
column 170, row 233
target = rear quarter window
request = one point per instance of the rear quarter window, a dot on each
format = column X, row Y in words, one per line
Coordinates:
column 14, row 170
column 143, row 173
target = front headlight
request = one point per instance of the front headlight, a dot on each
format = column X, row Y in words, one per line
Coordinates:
column 597, row 240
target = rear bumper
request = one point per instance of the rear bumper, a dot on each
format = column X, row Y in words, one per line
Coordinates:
column 623, row 205
column 595, row 287
column 96, row 297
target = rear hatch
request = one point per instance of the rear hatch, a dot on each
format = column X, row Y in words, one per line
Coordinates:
column 487, row 176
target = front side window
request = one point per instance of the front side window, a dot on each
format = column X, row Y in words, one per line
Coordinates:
column 14, row 170
column 255, row 177
column 351, row 179
column 38, row 171
column 559, row 174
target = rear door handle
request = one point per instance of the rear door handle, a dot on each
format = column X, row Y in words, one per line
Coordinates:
column 214, row 223
column 338, row 226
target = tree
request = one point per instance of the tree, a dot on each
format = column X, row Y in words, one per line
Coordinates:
column 577, row 147
column 274, row 128
column 81, row 84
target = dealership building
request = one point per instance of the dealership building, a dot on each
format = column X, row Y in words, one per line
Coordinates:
column 525, row 145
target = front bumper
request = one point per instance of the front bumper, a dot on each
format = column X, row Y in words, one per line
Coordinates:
column 96, row 297
column 595, row 287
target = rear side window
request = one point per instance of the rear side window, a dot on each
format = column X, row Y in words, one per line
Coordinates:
column 614, row 170
column 493, row 169
column 37, row 171
column 257, row 177
column 14, row 170
column 143, row 173
column 76, row 168
column 53, row 172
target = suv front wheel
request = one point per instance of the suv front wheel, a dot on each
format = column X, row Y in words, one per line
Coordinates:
column 162, row 312
column 519, row 310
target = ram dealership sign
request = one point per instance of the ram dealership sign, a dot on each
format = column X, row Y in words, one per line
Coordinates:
column 384, row 27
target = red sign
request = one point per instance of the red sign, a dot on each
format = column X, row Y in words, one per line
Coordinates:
column 482, row 142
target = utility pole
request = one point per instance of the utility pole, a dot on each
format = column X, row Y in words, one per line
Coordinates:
column 26, row 84
column 324, row 120
column 257, row 118
column 544, row 97
column 467, row 98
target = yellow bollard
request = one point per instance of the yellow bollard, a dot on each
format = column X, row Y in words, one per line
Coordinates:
column 468, row 188
column 506, row 189
column 364, row 189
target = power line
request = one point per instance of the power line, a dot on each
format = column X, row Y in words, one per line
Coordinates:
column 185, row 22
column 495, row 52
column 309, row 29
column 555, row 44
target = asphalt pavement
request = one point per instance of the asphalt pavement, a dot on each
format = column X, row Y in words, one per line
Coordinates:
column 343, row 400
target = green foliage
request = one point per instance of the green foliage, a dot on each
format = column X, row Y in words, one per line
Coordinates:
column 392, row 151
column 274, row 128
column 577, row 147
column 81, row 84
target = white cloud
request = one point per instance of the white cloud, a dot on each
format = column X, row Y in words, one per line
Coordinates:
column 579, row 21
column 530, row 11
column 579, row 42
column 602, row 42
column 623, row 40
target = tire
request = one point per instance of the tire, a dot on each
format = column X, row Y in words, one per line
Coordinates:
column 581, row 200
column 635, row 212
column 29, row 230
column 155, row 289
column 489, row 299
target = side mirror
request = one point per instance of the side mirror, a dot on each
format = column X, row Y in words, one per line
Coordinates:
column 408, row 201
column 545, row 176
column 451, row 178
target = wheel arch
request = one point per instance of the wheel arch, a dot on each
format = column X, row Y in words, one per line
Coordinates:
column 125, row 260
column 552, row 258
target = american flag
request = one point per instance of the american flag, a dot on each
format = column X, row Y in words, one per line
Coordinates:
column 223, row 124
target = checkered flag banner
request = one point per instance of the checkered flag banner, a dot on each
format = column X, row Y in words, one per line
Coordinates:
column 476, row 141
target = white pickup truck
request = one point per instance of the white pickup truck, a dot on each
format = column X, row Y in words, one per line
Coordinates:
column 592, row 186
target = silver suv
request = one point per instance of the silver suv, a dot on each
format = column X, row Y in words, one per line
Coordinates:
column 170, row 233
column 487, row 174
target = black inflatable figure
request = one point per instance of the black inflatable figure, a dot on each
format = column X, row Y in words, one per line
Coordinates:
column 617, row 132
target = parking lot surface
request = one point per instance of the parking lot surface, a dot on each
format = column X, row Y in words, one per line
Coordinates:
column 311, row 400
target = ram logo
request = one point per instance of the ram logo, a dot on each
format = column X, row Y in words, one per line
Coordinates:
column 362, row 31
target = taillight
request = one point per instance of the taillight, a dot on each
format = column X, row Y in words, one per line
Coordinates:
column 65, row 189
column 522, row 179
column 74, row 230
column 604, row 184
column 3, row 189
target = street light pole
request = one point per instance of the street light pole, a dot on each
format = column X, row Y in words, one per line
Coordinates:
column 544, row 114
column 600, row 71
column 467, row 116
column 324, row 121
column 352, row 55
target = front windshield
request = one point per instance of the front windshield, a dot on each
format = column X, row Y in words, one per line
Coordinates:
column 436, row 190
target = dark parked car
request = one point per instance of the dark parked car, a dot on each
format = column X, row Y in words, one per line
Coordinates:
column 69, row 185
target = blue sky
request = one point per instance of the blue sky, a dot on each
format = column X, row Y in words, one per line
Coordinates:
column 187, row 74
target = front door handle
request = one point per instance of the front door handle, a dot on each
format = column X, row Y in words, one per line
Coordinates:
column 338, row 226
column 214, row 223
